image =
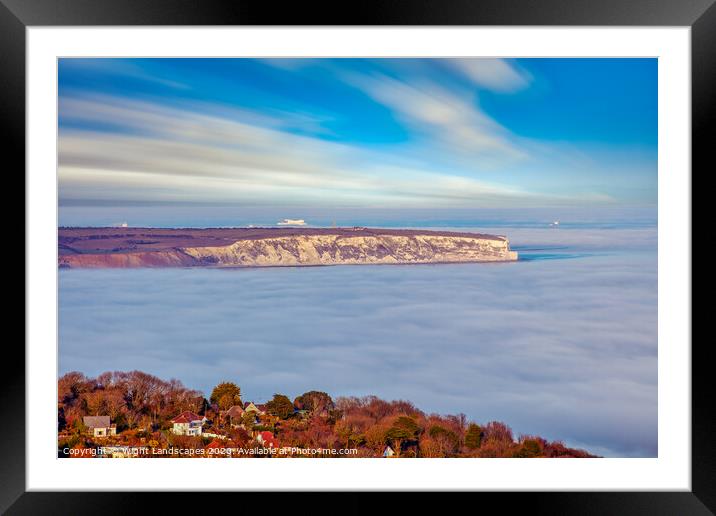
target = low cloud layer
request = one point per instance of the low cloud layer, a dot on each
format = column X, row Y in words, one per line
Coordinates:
column 565, row 348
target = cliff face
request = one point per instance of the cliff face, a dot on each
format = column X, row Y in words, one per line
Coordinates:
column 173, row 258
column 336, row 250
column 305, row 250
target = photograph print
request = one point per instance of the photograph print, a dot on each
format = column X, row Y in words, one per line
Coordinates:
column 357, row 258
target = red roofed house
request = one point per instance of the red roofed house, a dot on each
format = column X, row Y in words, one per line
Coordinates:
column 188, row 423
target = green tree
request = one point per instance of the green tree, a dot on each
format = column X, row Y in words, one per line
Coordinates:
column 473, row 436
column 280, row 406
column 404, row 429
column 226, row 393
column 530, row 448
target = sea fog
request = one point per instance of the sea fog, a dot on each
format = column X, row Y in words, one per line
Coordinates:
column 562, row 343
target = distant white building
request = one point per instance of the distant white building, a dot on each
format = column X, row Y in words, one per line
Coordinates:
column 188, row 423
column 292, row 222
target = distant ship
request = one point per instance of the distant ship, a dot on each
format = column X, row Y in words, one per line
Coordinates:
column 291, row 222
column 555, row 223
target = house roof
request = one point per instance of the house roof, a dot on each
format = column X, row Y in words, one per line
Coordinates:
column 186, row 417
column 235, row 411
column 96, row 421
column 251, row 405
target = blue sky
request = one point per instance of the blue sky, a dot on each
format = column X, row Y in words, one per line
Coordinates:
column 358, row 133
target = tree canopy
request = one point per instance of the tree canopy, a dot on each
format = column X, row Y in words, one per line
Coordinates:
column 280, row 406
column 473, row 436
column 314, row 401
column 530, row 448
column 404, row 429
column 226, row 394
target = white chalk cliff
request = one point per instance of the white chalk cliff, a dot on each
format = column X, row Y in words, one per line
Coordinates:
column 354, row 250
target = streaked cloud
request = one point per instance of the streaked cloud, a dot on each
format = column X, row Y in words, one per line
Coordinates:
column 494, row 74
column 326, row 132
column 180, row 154
column 449, row 119
column 123, row 69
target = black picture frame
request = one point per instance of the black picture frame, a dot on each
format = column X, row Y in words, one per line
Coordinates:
column 700, row 15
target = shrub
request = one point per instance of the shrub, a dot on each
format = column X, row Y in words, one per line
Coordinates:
column 529, row 448
column 473, row 436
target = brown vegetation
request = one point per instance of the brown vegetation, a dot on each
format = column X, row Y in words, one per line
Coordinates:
column 143, row 406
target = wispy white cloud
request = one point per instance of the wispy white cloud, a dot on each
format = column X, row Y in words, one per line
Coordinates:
column 121, row 68
column 493, row 74
column 448, row 118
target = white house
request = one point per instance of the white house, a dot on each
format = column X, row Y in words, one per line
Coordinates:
column 188, row 423
column 99, row 426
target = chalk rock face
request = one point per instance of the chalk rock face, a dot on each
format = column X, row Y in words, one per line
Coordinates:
column 355, row 250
